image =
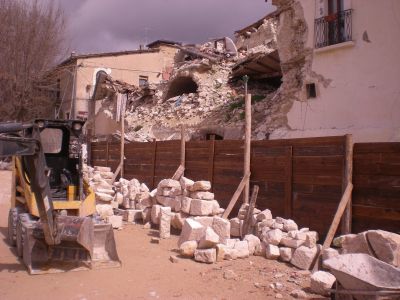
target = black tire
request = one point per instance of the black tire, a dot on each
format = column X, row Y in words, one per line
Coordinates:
column 22, row 218
column 12, row 224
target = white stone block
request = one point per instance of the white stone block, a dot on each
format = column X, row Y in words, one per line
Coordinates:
column 104, row 210
column 291, row 243
column 222, row 227
column 208, row 256
column 253, row 243
column 321, row 282
column 200, row 186
column 209, row 239
column 169, row 183
column 303, row 257
column 235, row 227
column 273, row 237
column 156, row 214
column 202, row 195
column 186, row 183
column 264, row 215
column 271, row 251
column 115, row 221
column 290, row 225
column 242, row 248
column 191, row 231
column 286, row 253
column 185, row 204
column 201, row 207
column 188, row 248
column 165, row 223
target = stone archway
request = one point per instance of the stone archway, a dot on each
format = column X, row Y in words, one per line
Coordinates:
column 181, row 85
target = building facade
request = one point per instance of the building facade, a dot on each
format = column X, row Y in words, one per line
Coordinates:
column 76, row 76
column 350, row 71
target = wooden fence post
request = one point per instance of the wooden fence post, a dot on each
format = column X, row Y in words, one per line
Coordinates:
column 347, row 179
column 211, row 155
column 107, row 152
column 289, row 183
column 154, row 164
column 183, row 145
column 247, row 147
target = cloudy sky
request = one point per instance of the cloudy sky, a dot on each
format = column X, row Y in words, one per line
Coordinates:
column 112, row 25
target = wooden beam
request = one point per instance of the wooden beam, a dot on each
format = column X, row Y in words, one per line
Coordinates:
column 116, row 172
column 339, row 213
column 153, row 163
column 247, row 221
column 178, row 173
column 235, row 196
column 348, row 178
column 183, row 145
column 335, row 224
column 211, row 155
column 123, row 105
column 247, row 146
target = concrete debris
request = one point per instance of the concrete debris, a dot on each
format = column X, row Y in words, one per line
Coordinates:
column 303, row 257
column 165, row 223
column 208, row 256
column 209, row 239
column 322, row 281
column 187, row 248
column 272, row 251
column 286, row 253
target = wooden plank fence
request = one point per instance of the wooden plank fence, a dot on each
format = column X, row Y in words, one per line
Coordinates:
column 300, row 179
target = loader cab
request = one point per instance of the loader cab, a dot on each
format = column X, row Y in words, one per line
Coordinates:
column 61, row 142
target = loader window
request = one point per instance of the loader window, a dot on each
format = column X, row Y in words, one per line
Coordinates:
column 51, row 140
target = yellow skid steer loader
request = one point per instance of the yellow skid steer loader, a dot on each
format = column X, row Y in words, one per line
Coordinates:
column 52, row 219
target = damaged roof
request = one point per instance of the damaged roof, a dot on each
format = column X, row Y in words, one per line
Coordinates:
column 157, row 43
column 258, row 65
column 259, row 22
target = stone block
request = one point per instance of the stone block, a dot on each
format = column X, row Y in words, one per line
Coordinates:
column 328, row 253
column 191, row 231
column 178, row 219
column 277, row 226
column 171, row 192
column 102, row 169
column 186, row 183
column 110, row 192
column 386, row 246
column 230, row 243
column 156, row 214
column 115, row 221
column 291, row 243
column 321, row 282
column 260, row 249
column 216, row 207
column 202, row 195
column 272, row 237
column 222, row 227
column 209, row 239
column 221, row 251
column 231, row 254
column 303, row 257
column 280, row 220
column 104, row 197
column 201, row 207
column 200, row 186
column 119, row 198
column 165, row 223
column 185, row 204
column 188, row 248
column 208, row 256
column 310, row 241
column 271, row 251
column 290, row 225
column 104, row 210
column 132, row 215
column 146, row 215
column 236, row 225
column 242, row 249
column 144, row 188
column 264, row 215
column 169, row 183
column 356, row 244
column 253, row 243
column 286, row 253
column 205, row 221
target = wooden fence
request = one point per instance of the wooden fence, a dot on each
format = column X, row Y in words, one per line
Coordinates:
column 300, row 179
column 376, row 194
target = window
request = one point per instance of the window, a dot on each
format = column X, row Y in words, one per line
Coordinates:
column 51, row 139
column 334, row 23
column 143, row 80
column 311, row 90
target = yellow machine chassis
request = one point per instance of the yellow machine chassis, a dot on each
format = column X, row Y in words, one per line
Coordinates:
column 83, row 208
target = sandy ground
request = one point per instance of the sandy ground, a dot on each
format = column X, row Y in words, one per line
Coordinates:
column 147, row 273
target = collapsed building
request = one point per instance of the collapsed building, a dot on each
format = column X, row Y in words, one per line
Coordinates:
column 292, row 57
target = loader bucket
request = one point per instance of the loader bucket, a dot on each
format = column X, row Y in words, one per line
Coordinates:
column 79, row 245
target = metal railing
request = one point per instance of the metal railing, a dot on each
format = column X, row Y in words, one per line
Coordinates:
column 333, row 29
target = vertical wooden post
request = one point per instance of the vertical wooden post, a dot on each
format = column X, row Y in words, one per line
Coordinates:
column 123, row 104
column 247, row 145
column 347, row 178
column 183, row 145
column 211, row 154
column 289, row 183
column 153, row 175
column 107, row 152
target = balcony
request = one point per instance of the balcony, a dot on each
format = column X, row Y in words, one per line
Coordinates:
column 333, row 29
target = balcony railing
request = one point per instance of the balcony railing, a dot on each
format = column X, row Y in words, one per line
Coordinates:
column 333, row 29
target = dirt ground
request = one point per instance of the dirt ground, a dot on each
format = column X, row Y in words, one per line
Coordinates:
column 147, row 273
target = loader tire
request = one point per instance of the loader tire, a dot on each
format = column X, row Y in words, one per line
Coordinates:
column 21, row 233
column 12, row 225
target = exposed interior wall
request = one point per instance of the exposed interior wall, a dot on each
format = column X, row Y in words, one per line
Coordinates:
column 357, row 82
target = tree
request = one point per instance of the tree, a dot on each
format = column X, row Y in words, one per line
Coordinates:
column 32, row 38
